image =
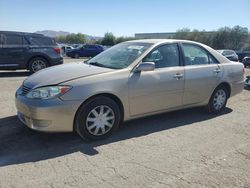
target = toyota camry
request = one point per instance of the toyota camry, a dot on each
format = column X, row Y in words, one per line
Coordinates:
column 130, row 80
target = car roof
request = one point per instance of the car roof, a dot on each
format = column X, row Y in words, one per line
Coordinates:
column 158, row 41
column 22, row 33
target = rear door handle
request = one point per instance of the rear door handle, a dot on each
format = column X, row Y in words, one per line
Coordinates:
column 178, row 76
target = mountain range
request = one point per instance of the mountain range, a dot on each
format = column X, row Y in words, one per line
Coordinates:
column 53, row 34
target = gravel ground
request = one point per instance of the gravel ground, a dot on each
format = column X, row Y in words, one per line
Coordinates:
column 187, row 148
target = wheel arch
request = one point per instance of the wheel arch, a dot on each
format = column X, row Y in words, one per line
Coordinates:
column 37, row 56
column 227, row 86
column 116, row 99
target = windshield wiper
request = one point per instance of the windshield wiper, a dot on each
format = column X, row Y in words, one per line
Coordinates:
column 99, row 65
column 96, row 64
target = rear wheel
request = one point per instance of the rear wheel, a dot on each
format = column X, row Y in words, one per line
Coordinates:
column 218, row 100
column 37, row 64
column 97, row 119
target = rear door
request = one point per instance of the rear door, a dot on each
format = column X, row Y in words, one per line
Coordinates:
column 84, row 51
column 13, row 50
column 202, row 74
column 90, row 50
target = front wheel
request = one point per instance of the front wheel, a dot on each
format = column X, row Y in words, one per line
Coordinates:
column 218, row 100
column 97, row 118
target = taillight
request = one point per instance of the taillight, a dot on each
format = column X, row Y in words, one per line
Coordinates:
column 57, row 50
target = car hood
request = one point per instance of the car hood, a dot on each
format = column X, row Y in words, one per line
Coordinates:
column 62, row 73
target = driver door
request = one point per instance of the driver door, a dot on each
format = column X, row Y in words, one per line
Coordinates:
column 160, row 89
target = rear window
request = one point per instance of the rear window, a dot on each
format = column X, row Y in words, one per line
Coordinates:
column 227, row 52
column 41, row 41
column 100, row 47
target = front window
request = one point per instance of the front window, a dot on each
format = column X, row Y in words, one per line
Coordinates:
column 120, row 56
column 164, row 56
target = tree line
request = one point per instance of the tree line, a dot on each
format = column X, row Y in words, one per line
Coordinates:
column 108, row 40
column 72, row 39
column 236, row 38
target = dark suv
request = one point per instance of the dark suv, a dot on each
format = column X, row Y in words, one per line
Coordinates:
column 27, row 51
column 87, row 50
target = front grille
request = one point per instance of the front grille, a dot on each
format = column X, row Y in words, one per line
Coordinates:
column 25, row 90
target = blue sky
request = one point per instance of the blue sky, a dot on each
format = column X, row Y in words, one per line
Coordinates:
column 122, row 17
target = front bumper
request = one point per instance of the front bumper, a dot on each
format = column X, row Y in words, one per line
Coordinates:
column 70, row 54
column 246, row 63
column 52, row 115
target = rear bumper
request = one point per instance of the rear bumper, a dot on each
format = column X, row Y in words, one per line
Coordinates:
column 237, row 87
column 57, row 61
column 52, row 115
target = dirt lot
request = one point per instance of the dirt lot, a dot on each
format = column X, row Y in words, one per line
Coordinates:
column 186, row 148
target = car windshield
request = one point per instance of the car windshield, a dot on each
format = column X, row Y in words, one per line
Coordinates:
column 120, row 56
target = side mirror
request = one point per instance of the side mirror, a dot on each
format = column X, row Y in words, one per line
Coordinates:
column 145, row 66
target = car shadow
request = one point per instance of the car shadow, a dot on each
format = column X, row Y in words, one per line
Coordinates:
column 14, row 74
column 20, row 144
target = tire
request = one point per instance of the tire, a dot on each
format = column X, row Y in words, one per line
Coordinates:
column 37, row 64
column 218, row 100
column 76, row 56
column 90, row 126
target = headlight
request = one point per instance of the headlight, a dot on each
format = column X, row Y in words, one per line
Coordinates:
column 48, row 92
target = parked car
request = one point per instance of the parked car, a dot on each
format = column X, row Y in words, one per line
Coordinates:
column 246, row 61
column 230, row 54
column 127, row 81
column 66, row 48
column 69, row 48
column 242, row 54
column 27, row 51
column 247, row 83
column 88, row 50
column 77, row 45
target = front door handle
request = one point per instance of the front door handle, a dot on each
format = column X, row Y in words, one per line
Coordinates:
column 178, row 76
column 217, row 71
